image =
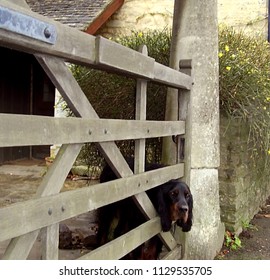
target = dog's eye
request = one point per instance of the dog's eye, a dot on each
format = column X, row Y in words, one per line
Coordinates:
column 174, row 194
column 187, row 195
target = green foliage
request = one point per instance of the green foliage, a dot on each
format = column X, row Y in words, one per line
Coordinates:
column 113, row 96
column 245, row 88
column 246, row 225
column 232, row 241
column 157, row 42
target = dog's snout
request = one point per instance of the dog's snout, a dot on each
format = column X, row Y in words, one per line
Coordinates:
column 183, row 208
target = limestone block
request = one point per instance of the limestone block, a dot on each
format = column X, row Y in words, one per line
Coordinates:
column 206, row 236
column 241, row 12
column 156, row 14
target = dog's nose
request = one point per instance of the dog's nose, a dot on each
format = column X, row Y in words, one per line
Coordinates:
column 183, row 208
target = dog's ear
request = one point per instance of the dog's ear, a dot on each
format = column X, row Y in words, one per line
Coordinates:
column 163, row 210
column 187, row 226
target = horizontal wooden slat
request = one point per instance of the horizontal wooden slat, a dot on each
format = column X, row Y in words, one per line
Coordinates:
column 111, row 54
column 171, row 77
column 40, row 130
column 122, row 245
column 44, row 211
column 81, row 48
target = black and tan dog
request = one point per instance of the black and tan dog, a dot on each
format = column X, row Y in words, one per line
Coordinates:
column 172, row 201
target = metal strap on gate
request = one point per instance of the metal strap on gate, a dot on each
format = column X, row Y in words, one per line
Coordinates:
column 28, row 26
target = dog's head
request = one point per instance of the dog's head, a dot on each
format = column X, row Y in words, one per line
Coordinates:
column 176, row 206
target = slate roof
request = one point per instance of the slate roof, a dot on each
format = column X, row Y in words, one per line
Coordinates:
column 77, row 13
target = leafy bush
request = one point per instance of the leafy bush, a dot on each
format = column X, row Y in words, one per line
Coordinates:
column 113, row 96
column 232, row 241
column 245, row 87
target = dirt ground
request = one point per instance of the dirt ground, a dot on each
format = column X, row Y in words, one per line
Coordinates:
column 255, row 239
column 19, row 181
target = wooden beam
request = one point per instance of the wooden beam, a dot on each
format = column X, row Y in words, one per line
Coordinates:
column 140, row 115
column 122, row 245
column 79, row 130
column 54, row 208
column 111, row 54
column 174, row 254
column 50, row 242
column 170, row 77
column 136, row 64
column 80, row 48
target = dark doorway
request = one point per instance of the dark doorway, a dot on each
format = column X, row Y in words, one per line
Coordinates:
column 24, row 89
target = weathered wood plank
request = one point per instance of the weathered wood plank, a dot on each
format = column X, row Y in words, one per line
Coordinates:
column 50, row 242
column 175, row 254
column 140, row 114
column 111, row 54
column 134, row 63
column 54, row 208
column 56, row 175
column 17, row 249
column 78, row 47
column 67, row 86
column 78, row 130
column 171, row 77
column 122, row 245
column 52, row 182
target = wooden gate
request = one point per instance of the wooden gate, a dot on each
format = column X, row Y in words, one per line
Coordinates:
column 53, row 45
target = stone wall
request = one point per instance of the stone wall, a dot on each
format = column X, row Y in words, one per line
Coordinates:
column 140, row 15
column 241, row 192
column 157, row 14
column 250, row 15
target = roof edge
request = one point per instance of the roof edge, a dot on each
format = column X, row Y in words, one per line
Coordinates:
column 102, row 18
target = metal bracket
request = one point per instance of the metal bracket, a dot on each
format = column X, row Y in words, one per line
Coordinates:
column 179, row 140
column 185, row 66
column 28, row 26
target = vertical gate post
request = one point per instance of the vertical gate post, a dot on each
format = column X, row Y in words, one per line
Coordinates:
column 195, row 37
column 140, row 114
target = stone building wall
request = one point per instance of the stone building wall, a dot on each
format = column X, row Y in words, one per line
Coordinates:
column 241, row 191
column 250, row 15
column 156, row 14
column 140, row 15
